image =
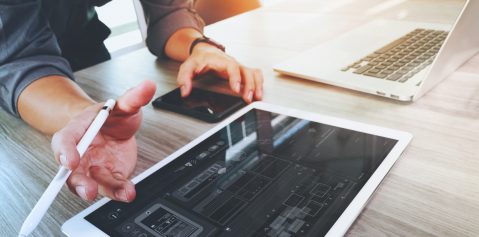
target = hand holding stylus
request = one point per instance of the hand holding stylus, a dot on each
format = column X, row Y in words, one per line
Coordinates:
column 111, row 157
column 97, row 150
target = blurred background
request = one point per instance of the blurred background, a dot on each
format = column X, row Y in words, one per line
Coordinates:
column 120, row 16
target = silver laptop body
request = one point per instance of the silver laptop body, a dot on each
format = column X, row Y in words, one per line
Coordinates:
column 396, row 59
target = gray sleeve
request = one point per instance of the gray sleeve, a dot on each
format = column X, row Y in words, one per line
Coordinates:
column 165, row 17
column 28, row 50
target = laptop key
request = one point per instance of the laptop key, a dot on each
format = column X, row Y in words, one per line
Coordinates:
column 404, row 78
column 391, row 45
column 378, row 75
column 388, row 71
column 394, row 68
column 362, row 69
column 394, row 77
column 402, row 58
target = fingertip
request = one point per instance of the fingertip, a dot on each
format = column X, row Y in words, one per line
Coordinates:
column 83, row 186
column 246, row 96
column 125, row 194
column 91, row 192
column 234, row 78
column 258, row 95
column 130, row 192
column 81, row 191
column 121, row 195
column 135, row 98
column 87, row 194
column 185, row 91
column 186, row 73
column 259, row 80
column 249, row 96
column 149, row 87
column 237, row 87
column 249, row 84
column 148, row 83
column 69, row 160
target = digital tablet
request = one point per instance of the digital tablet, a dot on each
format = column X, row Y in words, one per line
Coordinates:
column 264, row 171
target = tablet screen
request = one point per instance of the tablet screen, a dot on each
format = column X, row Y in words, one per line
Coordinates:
column 265, row 174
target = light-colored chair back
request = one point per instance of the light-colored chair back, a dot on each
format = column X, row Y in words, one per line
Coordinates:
column 140, row 16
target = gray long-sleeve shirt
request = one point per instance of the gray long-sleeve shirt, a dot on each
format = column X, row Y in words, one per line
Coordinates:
column 40, row 38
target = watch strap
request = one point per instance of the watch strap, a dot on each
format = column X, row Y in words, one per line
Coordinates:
column 207, row 40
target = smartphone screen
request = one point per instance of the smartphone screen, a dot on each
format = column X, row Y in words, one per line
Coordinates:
column 201, row 104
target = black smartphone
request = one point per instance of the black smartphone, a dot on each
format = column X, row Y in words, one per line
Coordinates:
column 201, row 104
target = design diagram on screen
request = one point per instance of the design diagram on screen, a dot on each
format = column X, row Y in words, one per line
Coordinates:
column 265, row 174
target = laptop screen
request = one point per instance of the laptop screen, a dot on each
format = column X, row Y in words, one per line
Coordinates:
column 265, row 174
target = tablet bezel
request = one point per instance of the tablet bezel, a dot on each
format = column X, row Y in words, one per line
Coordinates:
column 78, row 226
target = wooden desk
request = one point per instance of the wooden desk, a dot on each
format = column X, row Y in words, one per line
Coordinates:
column 431, row 191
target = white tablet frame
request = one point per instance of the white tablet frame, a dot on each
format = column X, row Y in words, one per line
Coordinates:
column 78, row 226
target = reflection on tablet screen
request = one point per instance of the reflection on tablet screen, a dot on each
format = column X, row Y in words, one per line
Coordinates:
column 265, row 174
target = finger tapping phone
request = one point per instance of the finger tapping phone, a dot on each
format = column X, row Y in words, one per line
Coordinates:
column 201, row 104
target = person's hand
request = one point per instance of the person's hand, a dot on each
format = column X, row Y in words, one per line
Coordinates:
column 206, row 57
column 111, row 158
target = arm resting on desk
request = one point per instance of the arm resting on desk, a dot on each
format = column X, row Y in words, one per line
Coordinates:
column 35, row 84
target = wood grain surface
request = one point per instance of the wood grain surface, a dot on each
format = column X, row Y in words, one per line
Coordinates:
column 433, row 190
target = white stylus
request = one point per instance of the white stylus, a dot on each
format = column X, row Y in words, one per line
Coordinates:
column 56, row 185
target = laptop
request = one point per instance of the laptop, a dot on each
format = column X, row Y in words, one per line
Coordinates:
column 395, row 59
column 265, row 171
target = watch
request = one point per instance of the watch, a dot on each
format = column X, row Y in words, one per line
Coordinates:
column 207, row 40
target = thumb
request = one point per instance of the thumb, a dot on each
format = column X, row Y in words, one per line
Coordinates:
column 135, row 98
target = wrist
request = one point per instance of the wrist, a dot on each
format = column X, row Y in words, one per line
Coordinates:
column 204, row 47
column 77, row 106
column 49, row 103
column 205, row 43
column 179, row 43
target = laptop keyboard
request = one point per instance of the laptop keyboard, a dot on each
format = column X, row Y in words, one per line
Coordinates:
column 402, row 58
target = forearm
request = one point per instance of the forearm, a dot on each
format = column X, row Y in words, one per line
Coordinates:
column 49, row 103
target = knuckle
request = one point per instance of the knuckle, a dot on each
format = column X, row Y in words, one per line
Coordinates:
column 231, row 60
column 233, row 68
